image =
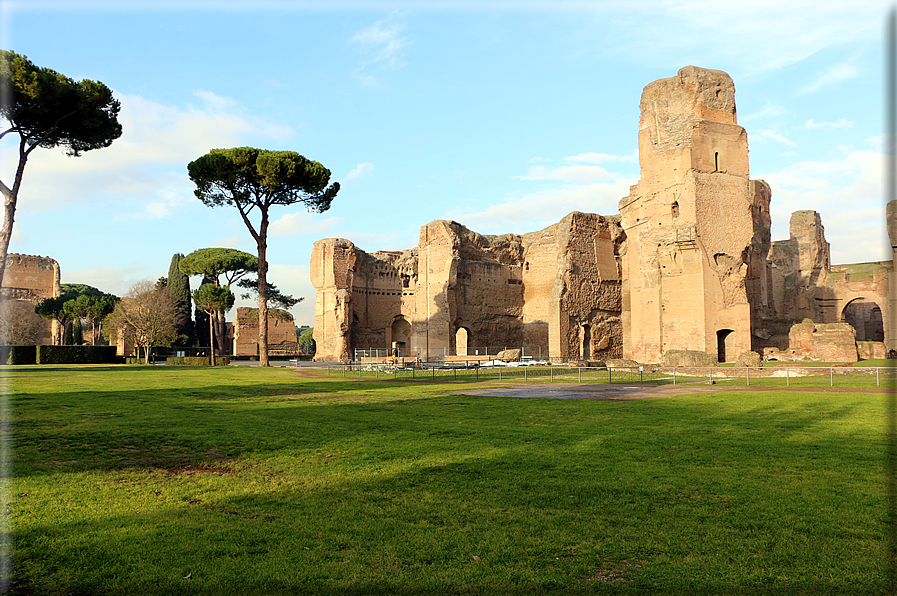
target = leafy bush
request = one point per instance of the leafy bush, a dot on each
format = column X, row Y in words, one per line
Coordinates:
column 18, row 354
column 197, row 361
column 75, row 355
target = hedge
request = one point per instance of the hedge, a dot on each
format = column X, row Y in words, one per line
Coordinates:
column 18, row 354
column 76, row 355
column 197, row 361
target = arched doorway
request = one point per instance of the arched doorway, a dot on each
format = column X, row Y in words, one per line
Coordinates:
column 462, row 336
column 865, row 316
column 721, row 338
column 401, row 336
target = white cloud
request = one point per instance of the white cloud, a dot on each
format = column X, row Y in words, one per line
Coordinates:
column 536, row 210
column 768, row 111
column 362, row 170
column 235, row 241
column 111, row 280
column 834, row 75
column 371, row 242
column 841, row 123
column 772, row 135
column 846, row 192
column 601, row 158
column 302, row 222
column 739, row 37
column 574, row 173
column 382, row 47
column 147, row 164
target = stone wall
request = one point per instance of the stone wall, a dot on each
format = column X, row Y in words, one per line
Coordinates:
column 30, row 278
column 554, row 291
column 281, row 333
column 689, row 222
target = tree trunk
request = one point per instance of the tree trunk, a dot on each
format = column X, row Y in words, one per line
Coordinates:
column 9, row 206
column 263, row 289
column 221, row 331
column 146, row 354
column 212, row 337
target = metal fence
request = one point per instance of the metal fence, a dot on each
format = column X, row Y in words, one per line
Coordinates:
column 362, row 354
column 784, row 376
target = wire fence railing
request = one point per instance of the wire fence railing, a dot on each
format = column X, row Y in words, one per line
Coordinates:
column 364, row 355
column 784, row 376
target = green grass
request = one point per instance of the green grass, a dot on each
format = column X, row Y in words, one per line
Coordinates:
column 260, row 481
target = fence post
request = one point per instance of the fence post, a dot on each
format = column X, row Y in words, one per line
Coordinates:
column 499, row 373
column 674, row 375
column 455, row 373
column 710, row 375
column 748, row 369
column 641, row 374
column 551, row 374
column 831, row 376
column 787, row 376
column 524, row 373
column 580, row 374
column 610, row 375
column 412, row 373
column 876, row 376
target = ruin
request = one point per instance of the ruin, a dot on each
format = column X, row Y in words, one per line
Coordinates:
column 244, row 333
column 29, row 279
column 688, row 264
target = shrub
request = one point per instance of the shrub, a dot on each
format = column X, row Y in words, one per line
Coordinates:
column 197, row 361
column 18, row 354
column 75, row 355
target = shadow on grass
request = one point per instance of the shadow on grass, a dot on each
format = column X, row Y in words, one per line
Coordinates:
column 362, row 488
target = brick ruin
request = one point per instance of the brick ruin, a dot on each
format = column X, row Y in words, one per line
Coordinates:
column 30, row 279
column 688, row 264
column 244, row 332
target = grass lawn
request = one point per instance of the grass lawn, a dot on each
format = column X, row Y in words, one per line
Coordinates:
column 232, row 480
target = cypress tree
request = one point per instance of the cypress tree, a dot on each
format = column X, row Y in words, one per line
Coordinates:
column 77, row 333
column 201, row 321
column 179, row 289
column 67, row 337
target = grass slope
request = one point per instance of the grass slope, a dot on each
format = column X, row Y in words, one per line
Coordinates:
column 155, row 480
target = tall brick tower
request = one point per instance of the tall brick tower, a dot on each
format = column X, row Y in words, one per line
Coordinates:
column 690, row 223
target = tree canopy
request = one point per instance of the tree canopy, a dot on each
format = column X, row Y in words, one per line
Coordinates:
column 254, row 180
column 276, row 299
column 147, row 316
column 90, row 306
column 212, row 263
column 178, row 285
column 47, row 109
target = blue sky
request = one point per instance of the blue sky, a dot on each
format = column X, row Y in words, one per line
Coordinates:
column 504, row 116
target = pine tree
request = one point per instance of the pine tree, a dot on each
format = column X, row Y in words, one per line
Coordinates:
column 77, row 333
column 179, row 289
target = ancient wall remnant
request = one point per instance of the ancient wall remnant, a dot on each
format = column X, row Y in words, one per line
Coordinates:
column 459, row 292
column 281, row 333
column 817, row 342
column 690, row 222
column 30, row 278
column 688, row 264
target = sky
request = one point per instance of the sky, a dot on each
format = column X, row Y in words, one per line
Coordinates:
column 503, row 116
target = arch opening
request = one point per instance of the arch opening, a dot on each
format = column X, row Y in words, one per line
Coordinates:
column 865, row 317
column 462, row 336
column 585, row 347
column 401, row 336
column 723, row 337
